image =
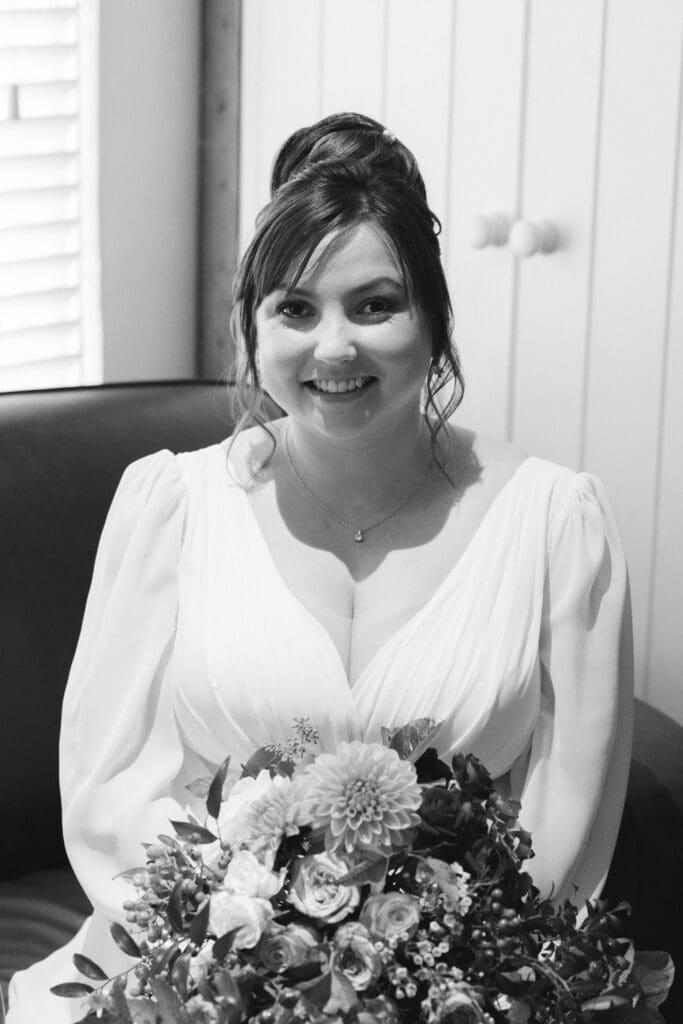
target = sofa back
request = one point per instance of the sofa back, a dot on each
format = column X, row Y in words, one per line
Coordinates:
column 62, row 454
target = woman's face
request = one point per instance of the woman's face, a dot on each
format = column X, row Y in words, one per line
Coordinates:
column 345, row 351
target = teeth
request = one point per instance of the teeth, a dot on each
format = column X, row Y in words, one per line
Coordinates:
column 336, row 387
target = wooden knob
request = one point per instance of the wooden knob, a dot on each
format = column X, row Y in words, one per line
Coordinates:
column 489, row 229
column 527, row 238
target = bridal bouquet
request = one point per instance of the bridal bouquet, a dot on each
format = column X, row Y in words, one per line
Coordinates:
column 375, row 885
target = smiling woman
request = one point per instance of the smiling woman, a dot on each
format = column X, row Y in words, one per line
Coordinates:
column 362, row 561
column 348, row 236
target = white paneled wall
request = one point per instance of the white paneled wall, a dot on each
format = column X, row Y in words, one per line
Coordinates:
column 560, row 110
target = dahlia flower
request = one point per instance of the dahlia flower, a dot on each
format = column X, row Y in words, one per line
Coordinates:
column 365, row 796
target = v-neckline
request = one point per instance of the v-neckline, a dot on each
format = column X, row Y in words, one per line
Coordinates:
column 353, row 688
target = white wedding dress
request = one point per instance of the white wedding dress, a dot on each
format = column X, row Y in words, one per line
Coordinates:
column 193, row 647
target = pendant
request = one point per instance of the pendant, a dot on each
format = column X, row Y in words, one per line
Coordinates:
column 358, row 536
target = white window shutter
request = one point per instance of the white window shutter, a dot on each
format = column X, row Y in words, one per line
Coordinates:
column 49, row 260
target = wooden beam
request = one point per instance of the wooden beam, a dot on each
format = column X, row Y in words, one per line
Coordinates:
column 219, row 182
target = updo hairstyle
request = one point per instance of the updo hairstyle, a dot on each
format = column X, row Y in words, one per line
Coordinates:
column 327, row 180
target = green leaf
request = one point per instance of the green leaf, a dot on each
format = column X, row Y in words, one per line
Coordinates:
column 72, row 989
column 605, row 1002
column 267, row 759
column 200, row 924
column 373, row 869
column 519, row 1012
column 120, row 1004
column 231, row 998
column 654, row 972
column 194, row 832
column 200, row 787
column 123, row 940
column 130, row 873
column 163, row 957
column 174, row 908
column 223, row 945
column 215, row 795
column 143, row 1011
column 410, row 741
column 180, row 973
column 88, row 967
column 343, row 997
column 170, row 1007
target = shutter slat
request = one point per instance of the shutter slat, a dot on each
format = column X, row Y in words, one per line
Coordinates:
column 36, row 5
column 39, row 310
column 48, row 99
column 38, row 345
column 37, row 135
column 46, row 170
column 39, row 276
column 27, row 28
column 60, row 372
column 39, row 206
column 33, row 64
column 34, row 243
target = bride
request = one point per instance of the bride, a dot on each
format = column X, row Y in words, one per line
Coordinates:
column 362, row 561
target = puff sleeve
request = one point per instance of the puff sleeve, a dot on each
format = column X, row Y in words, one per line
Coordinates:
column 121, row 756
column 577, row 769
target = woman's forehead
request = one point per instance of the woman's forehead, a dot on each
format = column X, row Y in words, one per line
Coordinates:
column 361, row 251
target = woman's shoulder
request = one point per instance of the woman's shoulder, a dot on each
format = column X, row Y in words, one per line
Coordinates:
column 248, row 454
column 543, row 481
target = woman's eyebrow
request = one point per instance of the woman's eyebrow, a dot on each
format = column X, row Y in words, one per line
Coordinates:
column 375, row 282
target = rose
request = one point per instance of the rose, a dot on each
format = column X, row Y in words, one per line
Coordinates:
column 283, row 948
column 472, row 776
column 247, row 876
column 316, row 892
column 389, row 914
column 231, row 816
column 248, row 916
column 356, row 956
column 448, row 816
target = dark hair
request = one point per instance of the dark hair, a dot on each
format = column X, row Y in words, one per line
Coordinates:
column 327, row 180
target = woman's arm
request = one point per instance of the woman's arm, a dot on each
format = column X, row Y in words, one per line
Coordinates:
column 121, row 756
column 577, row 770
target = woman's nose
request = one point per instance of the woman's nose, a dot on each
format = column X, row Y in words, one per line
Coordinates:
column 334, row 341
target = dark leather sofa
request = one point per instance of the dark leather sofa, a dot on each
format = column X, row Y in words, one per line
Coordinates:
column 62, row 453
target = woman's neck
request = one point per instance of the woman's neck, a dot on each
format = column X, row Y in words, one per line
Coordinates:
column 359, row 475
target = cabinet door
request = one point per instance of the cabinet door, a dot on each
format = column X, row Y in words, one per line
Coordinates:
column 631, row 342
column 486, row 123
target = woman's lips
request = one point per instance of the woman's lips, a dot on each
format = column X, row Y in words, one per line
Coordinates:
column 343, row 386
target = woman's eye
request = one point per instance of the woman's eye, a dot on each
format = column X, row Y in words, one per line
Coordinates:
column 294, row 310
column 376, row 307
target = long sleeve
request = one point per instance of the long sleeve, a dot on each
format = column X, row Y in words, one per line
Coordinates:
column 120, row 752
column 577, row 768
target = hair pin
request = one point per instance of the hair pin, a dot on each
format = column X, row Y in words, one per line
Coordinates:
column 388, row 136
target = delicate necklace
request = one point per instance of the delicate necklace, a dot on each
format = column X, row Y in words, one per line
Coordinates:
column 358, row 533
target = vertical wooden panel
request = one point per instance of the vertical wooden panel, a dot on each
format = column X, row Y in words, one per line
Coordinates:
column 353, row 51
column 560, row 148
column 417, row 90
column 486, row 108
column 219, row 182
column 665, row 662
column 251, row 159
column 631, row 272
column 282, row 54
